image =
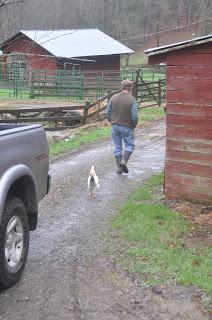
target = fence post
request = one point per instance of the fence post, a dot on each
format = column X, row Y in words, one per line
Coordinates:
column 17, row 116
column 85, row 113
column 81, row 75
column 159, row 92
column 135, row 85
column 31, row 95
column 134, row 90
column 109, row 92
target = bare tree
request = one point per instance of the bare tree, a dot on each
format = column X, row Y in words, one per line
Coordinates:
column 206, row 10
column 121, row 19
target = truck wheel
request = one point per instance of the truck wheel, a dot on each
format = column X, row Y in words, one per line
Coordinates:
column 14, row 242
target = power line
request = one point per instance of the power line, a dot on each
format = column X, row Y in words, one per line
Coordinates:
column 166, row 30
column 43, row 56
column 48, row 32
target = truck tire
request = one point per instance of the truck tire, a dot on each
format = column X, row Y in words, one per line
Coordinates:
column 14, row 242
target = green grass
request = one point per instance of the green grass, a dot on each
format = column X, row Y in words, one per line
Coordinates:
column 154, row 241
column 79, row 139
column 25, row 95
column 140, row 60
column 150, row 114
column 92, row 135
column 135, row 59
column 148, row 75
column 9, row 94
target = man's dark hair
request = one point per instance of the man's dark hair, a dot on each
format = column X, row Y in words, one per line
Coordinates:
column 126, row 84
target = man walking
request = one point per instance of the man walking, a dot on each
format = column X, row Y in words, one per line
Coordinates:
column 123, row 115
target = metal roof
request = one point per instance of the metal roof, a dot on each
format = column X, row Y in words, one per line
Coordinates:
column 179, row 45
column 76, row 42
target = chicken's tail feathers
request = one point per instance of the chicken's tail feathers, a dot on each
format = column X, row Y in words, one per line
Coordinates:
column 91, row 180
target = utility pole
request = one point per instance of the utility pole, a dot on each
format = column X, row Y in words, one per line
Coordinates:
column 157, row 35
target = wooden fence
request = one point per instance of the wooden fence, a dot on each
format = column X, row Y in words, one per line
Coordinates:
column 58, row 118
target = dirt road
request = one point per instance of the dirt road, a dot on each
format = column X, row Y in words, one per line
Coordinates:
column 68, row 275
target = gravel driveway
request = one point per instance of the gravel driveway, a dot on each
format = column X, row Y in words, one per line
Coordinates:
column 68, row 275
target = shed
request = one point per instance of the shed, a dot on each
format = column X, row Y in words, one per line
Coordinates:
column 84, row 49
column 188, row 164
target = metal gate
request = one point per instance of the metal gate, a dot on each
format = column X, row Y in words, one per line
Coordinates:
column 153, row 92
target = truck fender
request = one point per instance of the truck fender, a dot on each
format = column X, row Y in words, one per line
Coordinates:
column 8, row 179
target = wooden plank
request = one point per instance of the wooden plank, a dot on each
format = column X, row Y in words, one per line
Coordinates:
column 149, row 83
column 189, row 97
column 147, row 87
column 189, row 132
column 54, row 87
column 90, row 115
column 188, row 180
column 188, row 168
column 190, row 120
column 189, row 145
column 200, row 48
column 37, row 110
column 57, row 128
column 191, row 157
column 189, row 59
column 41, row 119
column 190, row 85
column 189, row 109
column 175, row 191
column 108, row 96
column 148, row 106
column 188, row 72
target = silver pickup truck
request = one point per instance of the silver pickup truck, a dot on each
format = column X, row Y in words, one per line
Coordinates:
column 24, row 181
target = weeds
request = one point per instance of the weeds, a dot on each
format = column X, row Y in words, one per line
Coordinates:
column 155, row 241
column 79, row 139
column 94, row 135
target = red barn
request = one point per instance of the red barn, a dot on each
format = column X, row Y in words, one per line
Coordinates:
column 86, row 49
column 188, row 165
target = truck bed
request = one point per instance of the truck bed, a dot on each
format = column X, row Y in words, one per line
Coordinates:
column 7, row 127
column 13, row 128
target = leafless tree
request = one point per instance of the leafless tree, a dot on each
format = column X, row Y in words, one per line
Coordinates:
column 119, row 18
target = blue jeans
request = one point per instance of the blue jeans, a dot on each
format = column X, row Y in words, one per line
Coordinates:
column 122, row 133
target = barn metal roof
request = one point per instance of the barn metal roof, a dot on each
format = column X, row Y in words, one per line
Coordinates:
column 76, row 42
column 179, row 45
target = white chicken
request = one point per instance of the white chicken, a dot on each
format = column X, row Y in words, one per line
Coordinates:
column 93, row 182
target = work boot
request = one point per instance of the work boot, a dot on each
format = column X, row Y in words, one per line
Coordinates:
column 124, row 160
column 118, row 161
